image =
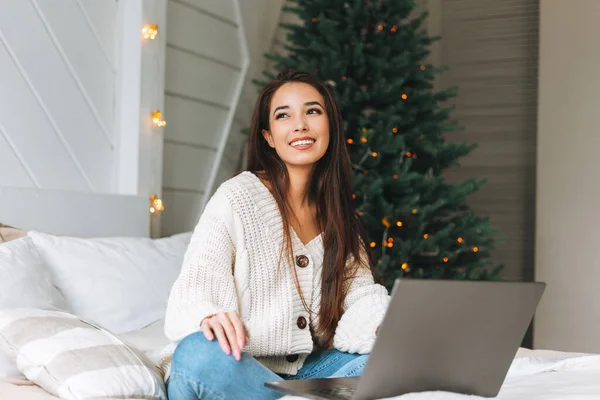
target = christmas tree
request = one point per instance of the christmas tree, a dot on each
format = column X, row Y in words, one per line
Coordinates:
column 373, row 56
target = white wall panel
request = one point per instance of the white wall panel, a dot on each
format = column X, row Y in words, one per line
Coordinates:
column 199, row 78
column 50, row 100
column 202, row 34
column 188, row 168
column 223, row 9
column 14, row 171
column 83, row 57
column 26, row 124
column 102, row 17
column 194, row 122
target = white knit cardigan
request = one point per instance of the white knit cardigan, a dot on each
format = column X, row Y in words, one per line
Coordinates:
column 231, row 265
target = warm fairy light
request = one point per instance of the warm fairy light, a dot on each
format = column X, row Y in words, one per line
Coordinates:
column 394, row 28
column 445, row 259
column 414, row 211
column 344, row 78
column 475, row 249
column 150, row 31
column 364, row 140
column 399, row 223
column 395, row 176
column 404, row 96
column 374, row 154
column 408, row 154
column 157, row 119
column 422, row 68
column 380, row 27
column 386, row 222
column 425, row 236
column 156, row 204
column 373, row 244
column 390, row 239
column 390, row 244
column 314, row 19
column 350, row 141
column 414, row 156
column 395, row 130
column 404, row 265
column 459, row 240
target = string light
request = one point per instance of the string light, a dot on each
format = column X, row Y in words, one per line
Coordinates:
column 149, row 31
column 399, row 223
column 363, row 139
column 394, row 28
column 395, row 130
column 156, row 204
column 314, row 20
column 414, row 156
column 404, row 96
column 422, row 68
column 414, row 211
column 475, row 249
column 385, row 222
column 445, row 259
column 459, row 240
column 390, row 244
column 408, row 154
column 374, row 154
column 157, row 119
column 395, row 176
column 425, row 236
column 350, row 141
column 353, row 196
column 344, row 78
column 380, row 27
column 373, row 244
column 405, row 266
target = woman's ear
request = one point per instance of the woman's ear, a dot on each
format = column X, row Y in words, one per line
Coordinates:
column 267, row 135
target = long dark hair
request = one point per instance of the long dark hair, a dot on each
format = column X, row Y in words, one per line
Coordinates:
column 330, row 189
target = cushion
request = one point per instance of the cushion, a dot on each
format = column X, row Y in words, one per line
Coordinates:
column 24, row 279
column 8, row 233
column 74, row 359
column 122, row 284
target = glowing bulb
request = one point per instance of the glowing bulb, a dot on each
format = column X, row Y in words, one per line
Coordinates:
column 414, row 211
column 350, row 141
column 475, row 249
column 150, row 31
column 373, row 244
column 425, row 236
column 422, row 68
column 404, row 96
column 395, row 176
column 404, row 265
column 395, row 130
column 156, row 204
column 459, row 240
column 157, row 119
column 380, row 27
column 374, row 154
column 399, row 223
column 385, row 222
column 363, row 139
column 445, row 259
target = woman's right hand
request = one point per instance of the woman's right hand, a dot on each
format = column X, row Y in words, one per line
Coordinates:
column 229, row 330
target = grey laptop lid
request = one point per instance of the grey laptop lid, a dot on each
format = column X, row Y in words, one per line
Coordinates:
column 457, row 336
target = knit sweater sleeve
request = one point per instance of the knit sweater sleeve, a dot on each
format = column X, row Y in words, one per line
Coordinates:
column 364, row 307
column 205, row 285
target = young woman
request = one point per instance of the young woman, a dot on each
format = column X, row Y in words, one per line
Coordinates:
column 276, row 282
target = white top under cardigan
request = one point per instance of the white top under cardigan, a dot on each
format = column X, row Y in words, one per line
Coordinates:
column 231, row 265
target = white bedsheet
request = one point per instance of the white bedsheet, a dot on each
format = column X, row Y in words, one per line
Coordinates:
column 536, row 375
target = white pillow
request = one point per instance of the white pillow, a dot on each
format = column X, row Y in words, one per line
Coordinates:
column 120, row 283
column 24, row 279
column 8, row 368
column 73, row 359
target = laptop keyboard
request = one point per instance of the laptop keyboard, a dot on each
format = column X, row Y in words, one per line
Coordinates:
column 338, row 392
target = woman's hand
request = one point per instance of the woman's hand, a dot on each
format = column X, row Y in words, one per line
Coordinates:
column 229, row 330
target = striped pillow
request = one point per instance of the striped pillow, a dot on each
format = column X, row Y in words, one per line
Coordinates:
column 73, row 359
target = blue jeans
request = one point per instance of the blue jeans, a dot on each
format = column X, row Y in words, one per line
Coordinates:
column 200, row 370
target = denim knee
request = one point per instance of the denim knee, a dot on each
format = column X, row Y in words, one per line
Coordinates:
column 194, row 354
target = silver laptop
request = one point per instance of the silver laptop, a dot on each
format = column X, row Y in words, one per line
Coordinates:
column 456, row 336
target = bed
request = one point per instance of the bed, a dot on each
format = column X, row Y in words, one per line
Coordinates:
column 534, row 374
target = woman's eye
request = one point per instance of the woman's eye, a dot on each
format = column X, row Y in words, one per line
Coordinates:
column 314, row 111
column 280, row 115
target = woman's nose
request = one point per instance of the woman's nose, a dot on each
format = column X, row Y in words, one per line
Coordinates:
column 300, row 125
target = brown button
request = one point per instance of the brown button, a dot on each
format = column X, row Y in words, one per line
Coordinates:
column 302, row 261
column 301, row 322
column 292, row 357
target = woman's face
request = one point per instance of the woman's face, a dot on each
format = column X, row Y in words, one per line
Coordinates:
column 299, row 125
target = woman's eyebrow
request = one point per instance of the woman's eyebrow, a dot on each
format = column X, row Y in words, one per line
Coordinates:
column 308, row 103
